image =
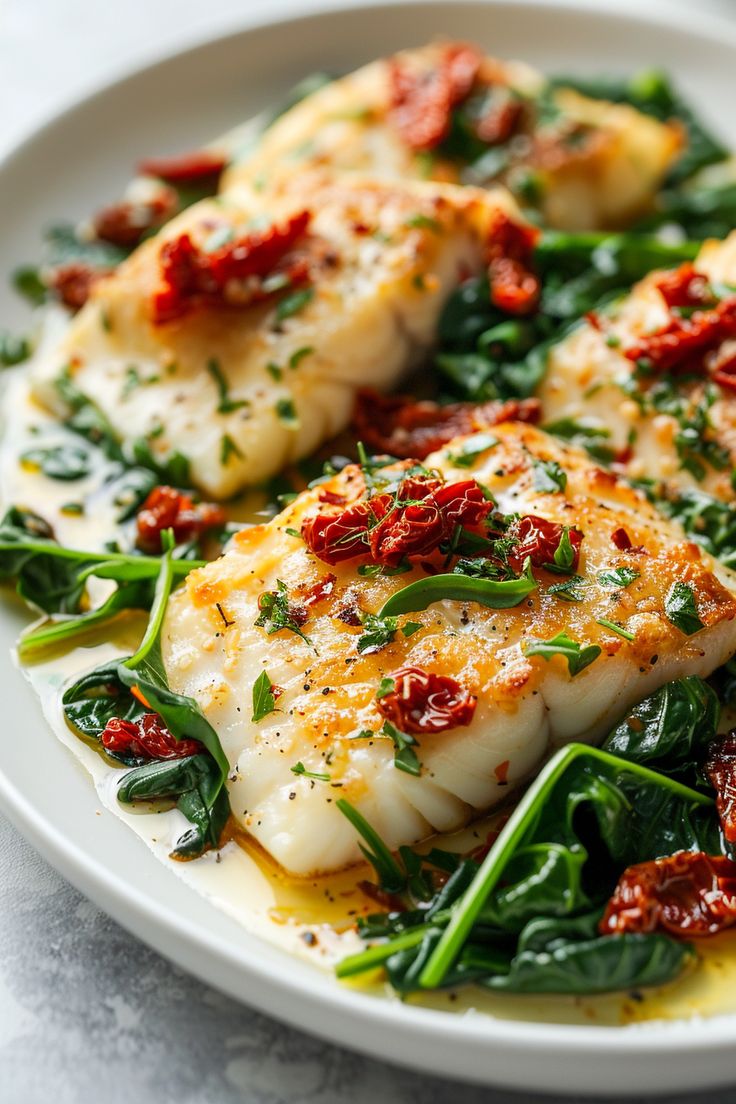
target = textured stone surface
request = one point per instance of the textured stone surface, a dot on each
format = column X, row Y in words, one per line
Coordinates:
column 87, row 1013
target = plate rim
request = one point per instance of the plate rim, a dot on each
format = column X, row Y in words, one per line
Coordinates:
column 142, row 913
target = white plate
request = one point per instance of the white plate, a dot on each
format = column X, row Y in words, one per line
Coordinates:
column 82, row 157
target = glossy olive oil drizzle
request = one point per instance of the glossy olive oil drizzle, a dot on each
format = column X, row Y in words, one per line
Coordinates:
column 312, row 918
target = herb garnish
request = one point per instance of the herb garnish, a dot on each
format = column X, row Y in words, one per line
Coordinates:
column 549, row 478
column 300, row 769
column 264, row 700
column 276, row 612
column 493, row 593
column 681, row 610
column 405, row 758
column 225, row 405
column 578, row 656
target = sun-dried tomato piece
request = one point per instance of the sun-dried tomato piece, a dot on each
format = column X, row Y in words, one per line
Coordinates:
column 684, row 345
column 167, row 508
column 233, row 275
column 720, row 768
column 337, row 537
column 539, row 539
column 146, row 738
column 422, row 701
column 687, row 894
column 422, row 101
column 463, row 503
column 620, row 539
column 723, row 371
column 408, row 524
column 73, row 282
column 401, row 426
column 501, row 118
column 685, row 287
column 125, row 224
column 196, row 167
column 312, row 596
column 514, row 286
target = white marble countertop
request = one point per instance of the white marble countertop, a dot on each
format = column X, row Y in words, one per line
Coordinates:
column 87, row 1013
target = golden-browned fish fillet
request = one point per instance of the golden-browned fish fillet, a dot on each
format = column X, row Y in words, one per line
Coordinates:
column 243, row 386
column 585, row 163
column 653, row 382
column 507, row 706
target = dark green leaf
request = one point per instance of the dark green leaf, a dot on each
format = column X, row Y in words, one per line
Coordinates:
column 578, row 656
column 65, row 462
column 264, row 701
column 681, row 610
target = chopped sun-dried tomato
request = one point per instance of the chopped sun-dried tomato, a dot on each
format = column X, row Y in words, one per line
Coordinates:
column 233, row 275
column 387, row 528
column 685, row 287
column 720, row 768
column 686, row 345
column 73, row 282
column 197, row 167
column 514, row 286
column 620, row 539
column 539, row 539
column 317, row 593
column 146, row 738
column 125, row 224
column 167, row 508
column 686, row 894
column 401, row 426
column 723, row 371
column 422, row 101
column 501, row 117
column 424, row 702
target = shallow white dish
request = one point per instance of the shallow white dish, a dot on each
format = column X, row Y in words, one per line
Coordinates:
column 80, row 159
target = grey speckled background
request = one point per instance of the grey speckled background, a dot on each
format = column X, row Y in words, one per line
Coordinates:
column 87, row 1013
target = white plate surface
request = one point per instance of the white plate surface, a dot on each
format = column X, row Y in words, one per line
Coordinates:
column 80, row 159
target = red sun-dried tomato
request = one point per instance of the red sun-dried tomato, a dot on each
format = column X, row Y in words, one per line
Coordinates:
column 501, row 117
column 167, row 508
column 386, row 528
column 146, row 738
column 684, row 344
column 312, row 596
column 196, row 167
column 514, row 286
column 686, row 894
column 720, row 768
column 233, row 275
column 539, row 539
column 73, row 282
column 723, row 371
column 685, row 287
column 424, row 702
column 125, row 224
column 422, row 101
column 401, row 426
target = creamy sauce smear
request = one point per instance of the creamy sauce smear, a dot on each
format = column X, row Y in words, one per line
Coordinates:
column 310, row 918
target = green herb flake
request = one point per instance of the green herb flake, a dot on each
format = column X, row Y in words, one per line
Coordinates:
column 471, row 449
column 228, row 448
column 225, row 404
column 63, row 462
column 618, row 577
column 681, row 610
column 297, row 357
column 276, row 612
column 302, row 771
column 614, row 628
column 274, row 371
column 424, row 222
column 286, row 413
column 386, row 686
column 578, row 656
column 405, row 758
column 292, row 304
column 264, row 699
column 549, row 478
column 411, row 627
column 13, row 349
column 378, row 631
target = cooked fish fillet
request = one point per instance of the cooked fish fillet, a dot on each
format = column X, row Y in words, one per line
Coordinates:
column 526, row 705
column 241, row 392
column 592, row 164
column 591, row 381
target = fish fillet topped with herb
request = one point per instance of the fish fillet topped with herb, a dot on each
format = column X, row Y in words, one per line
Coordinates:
column 234, row 341
column 649, row 382
column 448, row 112
column 417, row 637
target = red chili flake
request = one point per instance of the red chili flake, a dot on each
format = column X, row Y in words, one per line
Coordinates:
column 684, row 287
column 125, row 224
column 514, row 286
column 73, row 282
column 317, row 593
column 233, row 275
column 621, row 539
column 686, row 894
column 539, row 539
column 502, row 772
column 720, row 767
column 683, row 344
column 424, row 702
column 197, row 167
column 401, row 426
column 422, row 101
column 413, row 522
column 167, row 508
column 146, row 738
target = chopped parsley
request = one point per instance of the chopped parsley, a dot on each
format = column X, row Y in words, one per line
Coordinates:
column 228, row 448
column 293, row 303
column 377, row 632
column 286, row 412
column 614, row 628
column 618, row 576
column 226, row 405
column 297, row 357
column 386, row 686
column 277, row 613
column 471, row 449
column 578, row 656
column 301, row 770
column 681, row 610
column 264, row 700
column 405, row 758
